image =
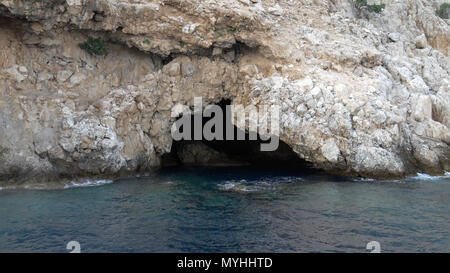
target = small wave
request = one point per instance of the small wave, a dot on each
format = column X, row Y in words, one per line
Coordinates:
column 230, row 186
column 172, row 183
column 20, row 187
column 266, row 183
column 88, row 183
column 424, row 176
column 363, row 179
column 34, row 188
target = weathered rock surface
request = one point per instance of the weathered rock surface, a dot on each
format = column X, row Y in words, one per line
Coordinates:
column 360, row 93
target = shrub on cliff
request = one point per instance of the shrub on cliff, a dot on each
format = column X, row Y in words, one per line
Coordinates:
column 94, row 46
column 443, row 11
column 371, row 7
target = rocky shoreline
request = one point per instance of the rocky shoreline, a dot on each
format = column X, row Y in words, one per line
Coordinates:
column 361, row 93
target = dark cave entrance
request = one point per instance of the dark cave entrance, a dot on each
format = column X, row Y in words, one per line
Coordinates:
column 231, row 152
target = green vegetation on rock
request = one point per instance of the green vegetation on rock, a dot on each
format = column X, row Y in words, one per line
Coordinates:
column 94, row 46
column 371, row 7
column 443, row 11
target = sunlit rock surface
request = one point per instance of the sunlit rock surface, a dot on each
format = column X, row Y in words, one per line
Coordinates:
column 360, row 93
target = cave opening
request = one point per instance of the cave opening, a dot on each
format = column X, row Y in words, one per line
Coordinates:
column 231, row 152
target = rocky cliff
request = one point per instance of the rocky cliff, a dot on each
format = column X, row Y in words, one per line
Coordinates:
column 361, row 93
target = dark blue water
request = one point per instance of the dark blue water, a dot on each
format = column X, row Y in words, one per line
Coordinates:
column 231, row 210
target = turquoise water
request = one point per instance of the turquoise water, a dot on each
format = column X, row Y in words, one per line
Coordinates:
column 231, row 210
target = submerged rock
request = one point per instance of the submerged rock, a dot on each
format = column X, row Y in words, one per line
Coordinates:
column 361, row 94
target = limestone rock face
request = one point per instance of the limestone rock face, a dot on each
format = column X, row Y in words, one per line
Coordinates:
column 360, row 93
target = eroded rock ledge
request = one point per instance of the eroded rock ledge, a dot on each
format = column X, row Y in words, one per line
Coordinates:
column 361, row 93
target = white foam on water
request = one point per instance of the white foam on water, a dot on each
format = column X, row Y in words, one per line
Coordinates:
column 265, row 183
column 88, row 183
column 230, row 186
column 173, row 183
column 33, row 188
column 423, row 176
column 363, row 179
column 226, row 186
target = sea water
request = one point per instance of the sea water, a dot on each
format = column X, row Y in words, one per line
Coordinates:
column 239, row 209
